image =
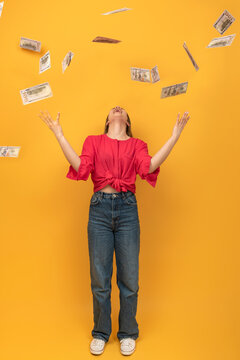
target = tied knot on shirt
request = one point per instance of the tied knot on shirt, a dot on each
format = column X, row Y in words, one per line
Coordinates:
column 118, row 184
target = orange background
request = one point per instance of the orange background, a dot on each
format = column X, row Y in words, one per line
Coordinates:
column 188, row 304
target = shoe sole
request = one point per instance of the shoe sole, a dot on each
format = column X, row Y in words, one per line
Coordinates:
column 94, row 352
column 127, row 352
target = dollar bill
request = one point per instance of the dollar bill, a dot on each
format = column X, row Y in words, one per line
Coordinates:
column 223, row 22
column 116, row 11
column 190, row 56
column 44, row 62
column 139, row 74
column 30, row 44
column 222, row 41
column 1, row 7
column 9, row 151
column 36, row 93
column 103, row 39
column 66, row 61
column 155, row 74
column 174, row 90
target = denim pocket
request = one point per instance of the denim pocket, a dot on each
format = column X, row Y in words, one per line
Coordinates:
column 130, row 200
column 95, row 199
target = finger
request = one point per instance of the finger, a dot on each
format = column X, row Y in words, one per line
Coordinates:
column 58, row 116
column 44, row 118
column 48, row 117
column 46, row 113
column 42, row 114
column 41, row 117
column 183, row 120
column 184, row 116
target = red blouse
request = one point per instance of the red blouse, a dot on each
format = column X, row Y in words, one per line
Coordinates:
column 115, row 162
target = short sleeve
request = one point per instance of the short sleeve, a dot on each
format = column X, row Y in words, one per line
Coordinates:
column 142, row 164
column 87, row 162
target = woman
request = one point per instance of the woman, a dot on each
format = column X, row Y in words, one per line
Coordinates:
column 113, row 159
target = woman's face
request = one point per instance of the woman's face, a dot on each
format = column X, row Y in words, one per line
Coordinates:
column 117, row 113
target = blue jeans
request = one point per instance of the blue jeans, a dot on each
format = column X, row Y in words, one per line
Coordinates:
column 114, row 224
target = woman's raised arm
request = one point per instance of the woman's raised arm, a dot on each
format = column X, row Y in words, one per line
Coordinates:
column 71, row 156
column 163, row 153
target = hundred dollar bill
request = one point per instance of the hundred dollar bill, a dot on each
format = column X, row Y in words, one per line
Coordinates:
column 174, row 90
column 139, row 74
column 222, row 41
column 103, row 39
column 1, row 7
column 9, row 151
column 30, row 44
column 155, row 74
column 223, row 22
column 143, row 75
column 36, row 93
column 190, row 56
column 116, row 11
column 44, row 62
column 66, row 61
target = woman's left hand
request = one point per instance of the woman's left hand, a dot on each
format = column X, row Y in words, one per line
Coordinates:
column 180, row 123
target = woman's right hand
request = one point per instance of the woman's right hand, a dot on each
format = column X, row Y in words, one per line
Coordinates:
column 53, row 125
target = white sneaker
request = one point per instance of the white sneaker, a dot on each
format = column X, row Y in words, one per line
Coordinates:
column 97, row 346
column 127, row 346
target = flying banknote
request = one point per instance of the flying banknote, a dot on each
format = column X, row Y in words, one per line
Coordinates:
column 221, row 41
column 139, row 74
column 102, row 39
column 190, row 56
column 44, row 62
column 36, row 93
column 223, row 22
column 9, row 151
column 30, row 44
column 1, row 7
column 174, row 90
column 66, row 61
column 116, row 11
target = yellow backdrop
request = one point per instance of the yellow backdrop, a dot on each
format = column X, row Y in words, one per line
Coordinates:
column 188, row 304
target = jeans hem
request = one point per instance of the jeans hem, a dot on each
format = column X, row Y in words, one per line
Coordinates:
column 127, row 337
column 101, row 338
